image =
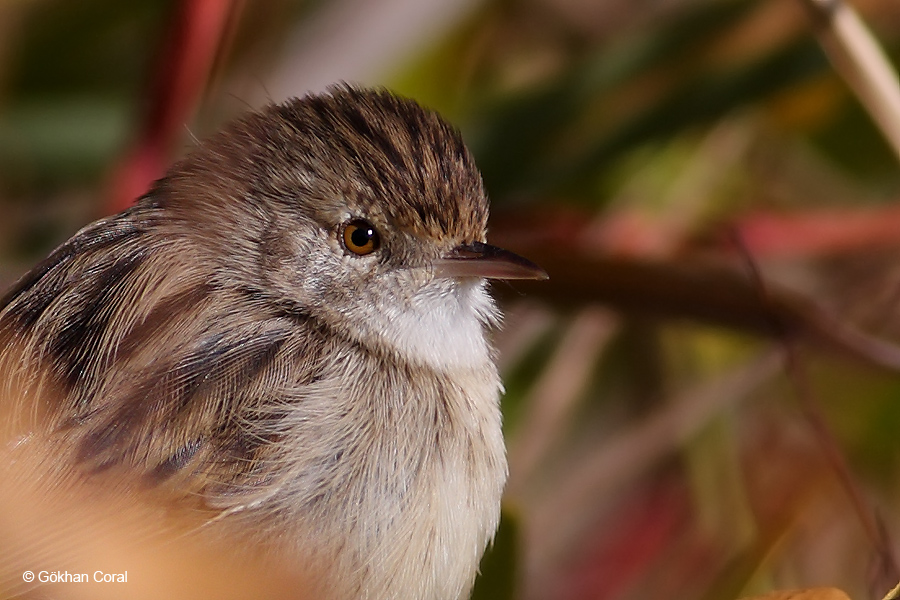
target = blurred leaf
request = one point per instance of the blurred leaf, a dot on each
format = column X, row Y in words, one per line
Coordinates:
column 698, row 101
column 524, row 141
column 70, row 137
column 854, row 143
column 86, row 46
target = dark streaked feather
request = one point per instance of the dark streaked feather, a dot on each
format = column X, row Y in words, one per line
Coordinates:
column 218, row 350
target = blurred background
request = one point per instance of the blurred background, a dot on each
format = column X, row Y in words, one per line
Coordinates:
column 703, row 401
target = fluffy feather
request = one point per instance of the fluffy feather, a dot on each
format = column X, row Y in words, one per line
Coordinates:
column 215, row 350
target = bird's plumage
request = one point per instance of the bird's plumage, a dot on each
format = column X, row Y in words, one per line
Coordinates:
column 216, row 347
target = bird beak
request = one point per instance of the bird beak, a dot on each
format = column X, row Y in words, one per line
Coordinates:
column 481, row 260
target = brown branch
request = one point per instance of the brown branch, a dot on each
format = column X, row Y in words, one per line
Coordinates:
column 697, row 287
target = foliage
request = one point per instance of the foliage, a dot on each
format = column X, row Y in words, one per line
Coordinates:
column 703, row 400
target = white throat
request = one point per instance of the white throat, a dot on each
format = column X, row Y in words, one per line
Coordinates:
column 443, row 326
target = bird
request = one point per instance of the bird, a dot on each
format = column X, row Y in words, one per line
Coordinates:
column 288, row 337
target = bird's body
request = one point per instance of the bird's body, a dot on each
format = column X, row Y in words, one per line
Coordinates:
column 266, row 337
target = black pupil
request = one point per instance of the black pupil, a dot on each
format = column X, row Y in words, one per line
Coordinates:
column 361, row 235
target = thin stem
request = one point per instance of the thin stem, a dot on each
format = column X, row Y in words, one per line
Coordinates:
column 797, row 373
column 862, row 63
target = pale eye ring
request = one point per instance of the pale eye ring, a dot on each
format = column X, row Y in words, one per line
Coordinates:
column 360, row 237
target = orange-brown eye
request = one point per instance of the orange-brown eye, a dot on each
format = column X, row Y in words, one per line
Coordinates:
column 360, row 237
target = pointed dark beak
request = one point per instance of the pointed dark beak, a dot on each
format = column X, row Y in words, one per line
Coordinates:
column 482, row 260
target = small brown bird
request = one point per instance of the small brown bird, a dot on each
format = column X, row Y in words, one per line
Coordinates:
column 286, row 336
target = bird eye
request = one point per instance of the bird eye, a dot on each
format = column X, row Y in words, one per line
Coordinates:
column 360, row 237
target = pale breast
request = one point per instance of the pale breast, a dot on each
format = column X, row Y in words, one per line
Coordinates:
column 394, row 471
